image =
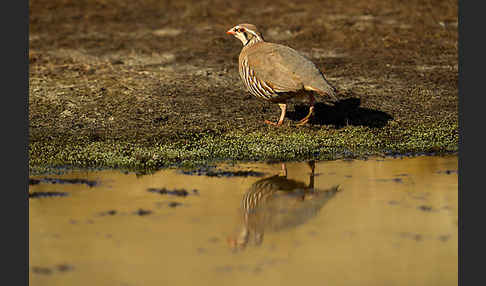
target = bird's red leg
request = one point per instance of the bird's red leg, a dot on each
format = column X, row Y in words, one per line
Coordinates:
column 283, row 106
column 311, row 111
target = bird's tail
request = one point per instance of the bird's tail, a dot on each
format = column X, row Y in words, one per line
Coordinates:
column 324, row 88
column 331, row 92
column 329, row 89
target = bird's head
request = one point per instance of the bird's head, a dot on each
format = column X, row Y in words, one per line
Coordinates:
column 245, row 33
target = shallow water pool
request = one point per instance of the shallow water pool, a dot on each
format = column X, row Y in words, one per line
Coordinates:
column 381, row 221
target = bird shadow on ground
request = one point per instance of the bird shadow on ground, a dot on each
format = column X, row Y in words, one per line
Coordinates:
column 344, row 112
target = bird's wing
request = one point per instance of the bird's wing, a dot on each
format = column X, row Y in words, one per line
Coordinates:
column 276, row 66
column 285, row 70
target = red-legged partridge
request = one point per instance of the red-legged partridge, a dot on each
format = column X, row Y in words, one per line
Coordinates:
column 276, row 72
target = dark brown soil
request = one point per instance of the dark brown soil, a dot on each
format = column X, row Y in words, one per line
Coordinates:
column 155, row 71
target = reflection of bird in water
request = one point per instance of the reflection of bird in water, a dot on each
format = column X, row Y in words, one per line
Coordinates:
column 277, row 203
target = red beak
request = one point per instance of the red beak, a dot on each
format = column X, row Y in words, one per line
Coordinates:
column 230, row 32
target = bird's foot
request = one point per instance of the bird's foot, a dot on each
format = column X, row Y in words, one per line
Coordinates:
column 303, row 121
column 273, row 123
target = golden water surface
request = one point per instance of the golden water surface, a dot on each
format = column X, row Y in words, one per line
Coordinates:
column 374, row 222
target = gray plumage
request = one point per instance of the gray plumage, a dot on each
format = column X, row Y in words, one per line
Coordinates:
column 282, row 69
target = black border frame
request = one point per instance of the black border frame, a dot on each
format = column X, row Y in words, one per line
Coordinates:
column 15, row 70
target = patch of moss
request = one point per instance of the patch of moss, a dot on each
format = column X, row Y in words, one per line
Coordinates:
column 275, row 144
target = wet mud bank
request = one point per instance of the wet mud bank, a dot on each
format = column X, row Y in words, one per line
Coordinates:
column 154, row 84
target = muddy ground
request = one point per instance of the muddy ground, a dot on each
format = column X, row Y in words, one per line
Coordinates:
column 152, row 83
